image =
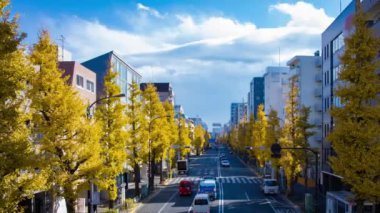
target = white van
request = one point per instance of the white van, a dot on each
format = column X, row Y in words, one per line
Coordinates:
column 201, row 204
column 270, row 186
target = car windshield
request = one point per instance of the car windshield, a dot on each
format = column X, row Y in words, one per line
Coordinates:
column 270, row 183
column 201, row 202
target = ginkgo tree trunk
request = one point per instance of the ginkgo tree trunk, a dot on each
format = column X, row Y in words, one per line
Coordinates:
column 355, row 136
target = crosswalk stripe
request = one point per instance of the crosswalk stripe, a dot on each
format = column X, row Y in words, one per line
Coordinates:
column 244, row 180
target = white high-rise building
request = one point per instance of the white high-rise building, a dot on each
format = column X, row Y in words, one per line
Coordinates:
column 308, row 71
column 276, row 90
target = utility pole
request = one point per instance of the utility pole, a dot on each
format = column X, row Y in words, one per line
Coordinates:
column 62, row 39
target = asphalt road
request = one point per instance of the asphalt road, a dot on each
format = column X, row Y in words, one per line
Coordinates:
column 238, row 189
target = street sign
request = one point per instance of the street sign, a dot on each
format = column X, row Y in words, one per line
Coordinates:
column 175, row 146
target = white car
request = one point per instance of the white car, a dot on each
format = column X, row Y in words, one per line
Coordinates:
column 270, row 186
column 225, row 163
column 201, row 203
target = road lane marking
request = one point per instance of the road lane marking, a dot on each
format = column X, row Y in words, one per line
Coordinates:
column 246, row 195
column 171, row 198
column 243, row 180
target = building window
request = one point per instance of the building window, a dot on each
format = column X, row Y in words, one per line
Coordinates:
column 336, row 72
column 90, row 86
column 327, row 51
column 80, row 81
column 338, row 42
column 328, row 76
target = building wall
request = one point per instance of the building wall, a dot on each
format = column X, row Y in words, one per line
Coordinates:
column 332, row 49
column 74, row 70
column 255, row 95
column 126, row 74
column 307, row 69
column 275, row 90
column 234, row 114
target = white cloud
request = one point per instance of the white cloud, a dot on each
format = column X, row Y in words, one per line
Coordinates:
column 149, row 10
column 201, row 55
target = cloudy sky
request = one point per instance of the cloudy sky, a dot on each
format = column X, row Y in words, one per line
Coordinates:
column 209, row 50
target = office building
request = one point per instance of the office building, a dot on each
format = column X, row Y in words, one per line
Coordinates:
column 164, row 90
column 126, row 74
column 307, row 69
column 255, row 95
column 217, row 130
column 332, row 48
column 238, row 113
column 276, row 80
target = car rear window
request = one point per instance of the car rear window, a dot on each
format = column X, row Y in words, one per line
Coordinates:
column 200, row 202
column 270, row 183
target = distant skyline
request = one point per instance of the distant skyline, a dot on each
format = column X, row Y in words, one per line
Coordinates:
column 209, row 50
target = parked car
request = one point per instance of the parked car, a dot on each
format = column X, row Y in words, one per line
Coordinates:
column 225, row 163
column 201, row 203
column 185, row 187
column 208, row 187
column 270, row 186
column 222, row 155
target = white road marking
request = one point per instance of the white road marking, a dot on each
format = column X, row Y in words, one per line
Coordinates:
column 243, row 180
column 270, row 203
column 163, row 207
column 246, row 195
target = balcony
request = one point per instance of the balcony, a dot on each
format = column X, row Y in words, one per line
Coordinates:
column 318, row 77
column 318, row 107
column 318, row 92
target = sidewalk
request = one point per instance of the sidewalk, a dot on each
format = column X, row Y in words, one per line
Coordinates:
column 296, row 206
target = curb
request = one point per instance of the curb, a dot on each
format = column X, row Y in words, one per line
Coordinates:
column 296, row 207
column 149, row 197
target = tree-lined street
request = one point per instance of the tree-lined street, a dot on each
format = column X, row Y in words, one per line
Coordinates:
column 239, row 189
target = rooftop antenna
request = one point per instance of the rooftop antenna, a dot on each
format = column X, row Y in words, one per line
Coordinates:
column 62, row 39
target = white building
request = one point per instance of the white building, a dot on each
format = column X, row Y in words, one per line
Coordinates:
column 276, row 90
column 308, row 71
column 217, row 129
column 238, row 113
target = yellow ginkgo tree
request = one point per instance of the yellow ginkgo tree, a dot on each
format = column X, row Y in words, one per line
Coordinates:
column 18, row 177
column 67, row 142
column 355, row 136
column 110, row 113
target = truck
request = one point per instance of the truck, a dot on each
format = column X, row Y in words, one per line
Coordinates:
column 182, row 167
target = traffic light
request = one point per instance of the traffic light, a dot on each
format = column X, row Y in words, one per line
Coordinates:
column 276, row 150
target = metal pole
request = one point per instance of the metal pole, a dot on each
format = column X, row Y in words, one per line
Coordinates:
column 316, row 181
column 149, row 163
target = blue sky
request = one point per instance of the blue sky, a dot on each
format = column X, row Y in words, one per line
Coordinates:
column 208, row 49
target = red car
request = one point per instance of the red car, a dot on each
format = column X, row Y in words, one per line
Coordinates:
column 185, row 187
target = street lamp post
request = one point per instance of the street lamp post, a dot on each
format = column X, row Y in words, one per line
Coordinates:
column 91, row 195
